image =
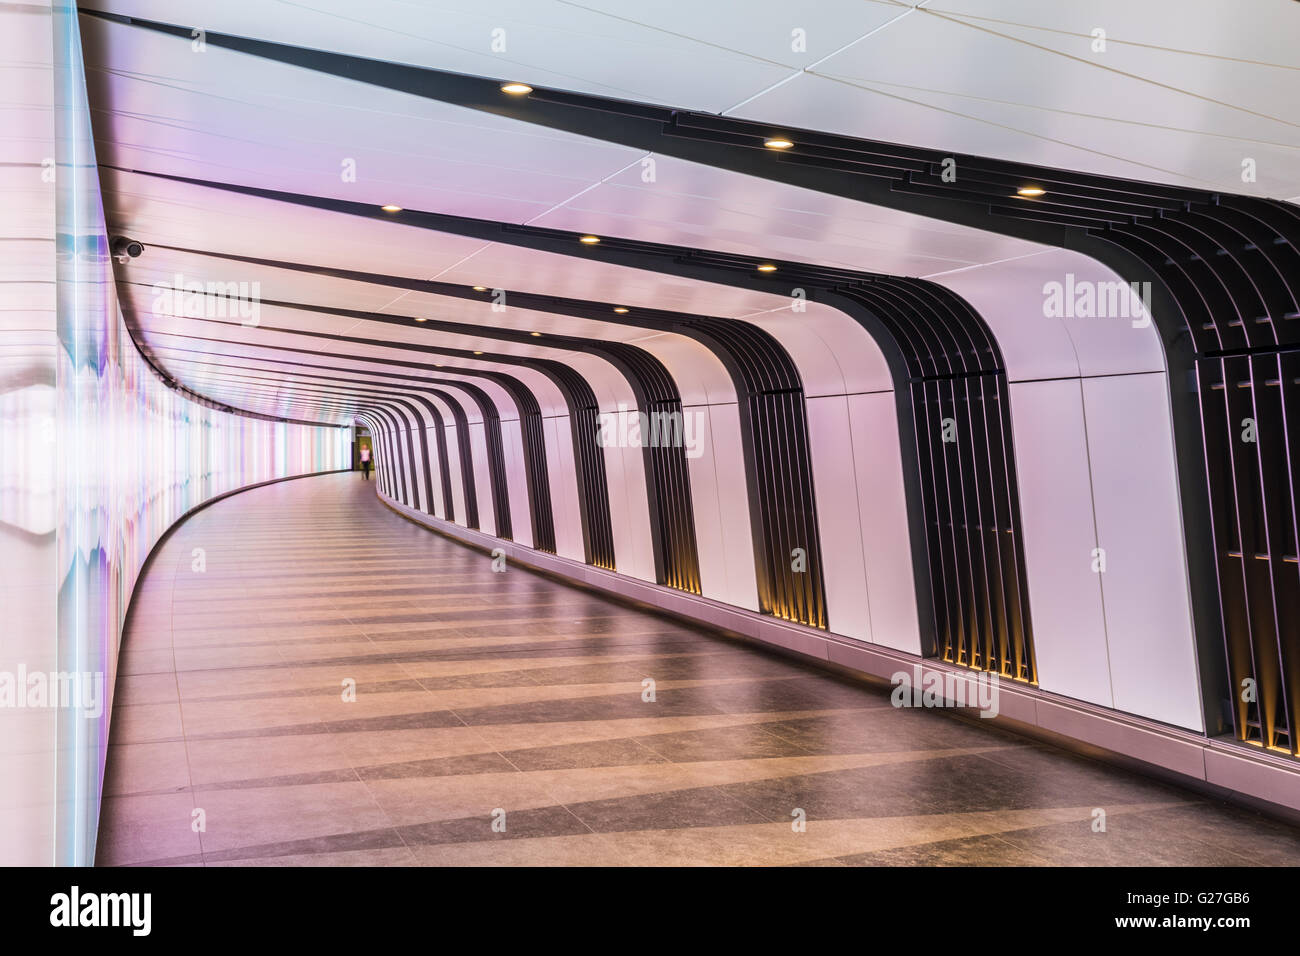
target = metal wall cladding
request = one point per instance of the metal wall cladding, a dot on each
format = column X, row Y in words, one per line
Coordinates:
column 1234, row 268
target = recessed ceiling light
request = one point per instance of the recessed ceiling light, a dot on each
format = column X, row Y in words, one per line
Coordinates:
column 767, row 267
column 536, row 335
column 391, row 208
column 480, row 288
column 777, row 142
column 620, row 310
column 418, row 319
column 478, row 353
column 589, row 240
column 516, row 89
column 1030, row 191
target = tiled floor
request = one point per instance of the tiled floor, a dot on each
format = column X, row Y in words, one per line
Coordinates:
column 484, row 697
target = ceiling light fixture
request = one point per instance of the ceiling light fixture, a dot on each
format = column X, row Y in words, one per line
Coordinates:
column 1030, row 191
column 536, row 335
column 620, row 310
column 589, row 240
column 478, row 353
column 480, row 288
column 418, row 319
column 391, row 208
column 767, row 267
column 777, row 142
column 516, row 89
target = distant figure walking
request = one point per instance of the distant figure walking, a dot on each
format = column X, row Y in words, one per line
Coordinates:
column 365, row 464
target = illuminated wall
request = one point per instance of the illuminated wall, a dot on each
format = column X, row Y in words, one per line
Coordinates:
column 99, row 458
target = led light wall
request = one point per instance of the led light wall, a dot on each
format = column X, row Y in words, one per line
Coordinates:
column 100, row 457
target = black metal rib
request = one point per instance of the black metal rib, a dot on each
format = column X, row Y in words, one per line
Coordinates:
column 777, row 459
column 465, row 452
column 1232, row 268
column 366, row 393
column 671, row 514
column 598, row 538
column 532, row 430
column 495, row 457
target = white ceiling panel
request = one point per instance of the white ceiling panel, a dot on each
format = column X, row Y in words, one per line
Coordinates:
column 1003, row 78
column 703, row 56
column 1182, row 94
column 1210, row 28
column 511, row 267
column 239, row 118
column 699, row 206
column 994, row 87
column 162, row 212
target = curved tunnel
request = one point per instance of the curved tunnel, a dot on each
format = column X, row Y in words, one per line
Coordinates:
column 906, row 412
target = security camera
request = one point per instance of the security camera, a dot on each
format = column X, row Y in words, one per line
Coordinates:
column 124, row 248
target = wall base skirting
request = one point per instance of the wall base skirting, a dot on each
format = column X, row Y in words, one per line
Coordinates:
column 1219, row 767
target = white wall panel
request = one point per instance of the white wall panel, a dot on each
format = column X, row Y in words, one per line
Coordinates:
column 411, row 438
column 453, row 455
column 720, row 499
column 706, row 500
column 1009, row 295
column 512, row 443
column 833, row 352
column 457, row 478
column 397, row 465
column 844, row 570
column 487, row 521
column 435, row 471
column 408, row 471
column 415, row 477
column 723, row 433
column 882, row 511
column 629, row 508
column 1056, row 514
column 1139, row 522
column 564, row 489
column 700, row 376
column 1036, row 342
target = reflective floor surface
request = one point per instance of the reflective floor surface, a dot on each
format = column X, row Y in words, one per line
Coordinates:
column 501, row 719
